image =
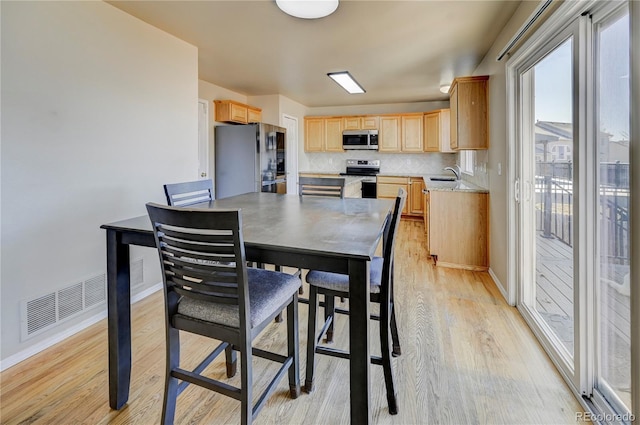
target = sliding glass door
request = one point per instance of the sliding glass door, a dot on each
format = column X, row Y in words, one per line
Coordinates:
column 547, row 193
column 570, row 90
column 613, row 379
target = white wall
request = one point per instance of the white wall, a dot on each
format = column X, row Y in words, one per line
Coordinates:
column 98, row 111
column 498, row 149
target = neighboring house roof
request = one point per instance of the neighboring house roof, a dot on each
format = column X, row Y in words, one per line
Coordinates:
column 563, row 130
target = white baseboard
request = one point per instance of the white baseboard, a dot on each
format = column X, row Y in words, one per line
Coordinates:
column 501, row 287
column 54, row 339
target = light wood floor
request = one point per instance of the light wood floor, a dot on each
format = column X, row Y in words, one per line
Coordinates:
column 468, row 358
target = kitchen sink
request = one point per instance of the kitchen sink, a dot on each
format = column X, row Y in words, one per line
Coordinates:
column 442, row 179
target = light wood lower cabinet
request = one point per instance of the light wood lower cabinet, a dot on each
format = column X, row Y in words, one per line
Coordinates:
column 416, row 200
column 457, row 227
column 387, row 188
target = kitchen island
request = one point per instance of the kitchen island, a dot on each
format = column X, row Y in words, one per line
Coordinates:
column 456, row 223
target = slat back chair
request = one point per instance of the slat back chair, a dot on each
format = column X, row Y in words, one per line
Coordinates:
column 321, row 186
column 209, row 291
column 188, row 193
column 333, row 285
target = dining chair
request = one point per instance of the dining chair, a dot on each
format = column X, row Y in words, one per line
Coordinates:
column 188, row 193
column 210, row 291
column 319, row 186
column 333, row 285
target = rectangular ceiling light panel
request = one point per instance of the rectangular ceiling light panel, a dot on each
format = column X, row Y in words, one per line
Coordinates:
column 347, row 82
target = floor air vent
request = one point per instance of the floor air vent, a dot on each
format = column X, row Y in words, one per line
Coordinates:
column 46, row 311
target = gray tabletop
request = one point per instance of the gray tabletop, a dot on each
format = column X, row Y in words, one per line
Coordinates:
column 348, row 227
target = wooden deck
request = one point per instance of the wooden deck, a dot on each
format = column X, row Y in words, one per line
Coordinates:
column 554, row 286
column 554, row 302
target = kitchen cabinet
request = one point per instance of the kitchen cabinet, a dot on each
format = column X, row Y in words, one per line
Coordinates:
column 236, row 112
column 436, row 131
column 387, row 188
column 333, row 135
column 416, row 200
column 457, row 228
column 323, row 134
column 314, row 134
column 411, row 132
column 469, row 126
column 389, row 137
column 254, row 114
column 400, row 133
column 368, row 122
column 425, row 217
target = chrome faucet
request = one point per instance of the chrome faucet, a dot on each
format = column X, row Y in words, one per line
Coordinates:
column 456, row 172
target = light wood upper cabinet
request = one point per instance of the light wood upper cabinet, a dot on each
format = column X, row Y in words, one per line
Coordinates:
column 453, row 120
column 400, row 133
column 314, row 134
column 368, row 122
column 458, row 228
column 436, row 131
column 254, row 114
column 389, row 136
column 236, row 112
column 333, row 135
column 411, row 132
column 469, row 113
column 323, row 134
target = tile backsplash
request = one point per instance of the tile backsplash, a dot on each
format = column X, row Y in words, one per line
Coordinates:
column 425, row 163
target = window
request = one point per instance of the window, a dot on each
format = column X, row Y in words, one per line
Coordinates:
column 467, row 159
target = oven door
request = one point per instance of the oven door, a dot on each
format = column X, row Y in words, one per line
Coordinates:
column 369, row 189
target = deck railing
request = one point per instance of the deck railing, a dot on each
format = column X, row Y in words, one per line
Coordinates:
column 554, row 206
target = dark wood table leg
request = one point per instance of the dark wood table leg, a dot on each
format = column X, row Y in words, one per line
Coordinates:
column 119, row 319
column 359, row 342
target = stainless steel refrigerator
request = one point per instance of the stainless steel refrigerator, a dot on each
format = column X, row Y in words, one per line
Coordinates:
column 249, row 158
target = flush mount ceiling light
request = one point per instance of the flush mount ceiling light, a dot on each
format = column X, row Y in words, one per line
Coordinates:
column 445, row 88
column 308, row 9
column 346, row 81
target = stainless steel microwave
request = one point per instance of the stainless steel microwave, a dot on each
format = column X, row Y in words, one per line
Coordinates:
column 360, row 139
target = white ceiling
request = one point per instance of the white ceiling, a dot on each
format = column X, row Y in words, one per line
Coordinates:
column 399, row 51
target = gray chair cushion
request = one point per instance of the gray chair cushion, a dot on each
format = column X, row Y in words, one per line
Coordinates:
column 268, row 290
column 340, row 282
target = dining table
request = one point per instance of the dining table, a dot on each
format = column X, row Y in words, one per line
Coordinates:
column 330, row 234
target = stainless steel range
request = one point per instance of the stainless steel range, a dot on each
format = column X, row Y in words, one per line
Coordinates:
column 364, row 167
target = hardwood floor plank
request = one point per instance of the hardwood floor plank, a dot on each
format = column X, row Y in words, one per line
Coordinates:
column 467, row 358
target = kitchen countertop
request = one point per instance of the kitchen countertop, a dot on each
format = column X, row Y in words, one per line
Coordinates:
column 454, row 186
column 347, row 179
